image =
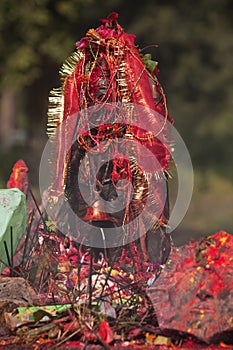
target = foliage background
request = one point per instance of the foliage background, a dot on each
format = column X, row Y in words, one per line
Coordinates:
column 195, row 59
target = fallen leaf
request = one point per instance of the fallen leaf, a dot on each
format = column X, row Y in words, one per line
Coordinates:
column 105, row 332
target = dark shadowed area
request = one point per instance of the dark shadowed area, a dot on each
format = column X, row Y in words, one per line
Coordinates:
column 193, row 45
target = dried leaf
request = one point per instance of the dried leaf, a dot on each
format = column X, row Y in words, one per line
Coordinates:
column 105, row 332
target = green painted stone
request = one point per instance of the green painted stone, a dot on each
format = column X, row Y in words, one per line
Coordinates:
column 12, row 213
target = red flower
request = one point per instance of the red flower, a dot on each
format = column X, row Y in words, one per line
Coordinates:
column 19, row 177
column 112, row 17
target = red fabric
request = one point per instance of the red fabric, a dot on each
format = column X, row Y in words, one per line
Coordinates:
column 106, row 50
column 137, row 80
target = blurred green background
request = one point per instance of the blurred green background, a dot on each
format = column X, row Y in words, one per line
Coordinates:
column 195, row 55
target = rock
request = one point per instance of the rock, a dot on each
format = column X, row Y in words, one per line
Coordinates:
column 5, row 307
column 194, row 293
column 12, row 214
column 16, row 290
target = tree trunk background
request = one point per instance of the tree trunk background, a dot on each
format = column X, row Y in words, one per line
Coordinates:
column 8, row 111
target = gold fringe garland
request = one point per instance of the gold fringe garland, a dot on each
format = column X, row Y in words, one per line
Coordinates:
column 55, row 110
column 56, row 97
column 70, row 63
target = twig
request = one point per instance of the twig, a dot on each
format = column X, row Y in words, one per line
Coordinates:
column 105, row 345
column 30, row 220
column 37, row 206
column 104, row 242
column 16, row 272
column 8, row 257
column 98, row 274
column 90, row 277
column 107, row 277
column 65, row 339
column 33, row 239
column 12, row 252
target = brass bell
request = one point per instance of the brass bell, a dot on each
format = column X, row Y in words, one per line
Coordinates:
column 96, row 213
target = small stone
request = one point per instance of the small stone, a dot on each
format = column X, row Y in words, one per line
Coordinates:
column 18, row 291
